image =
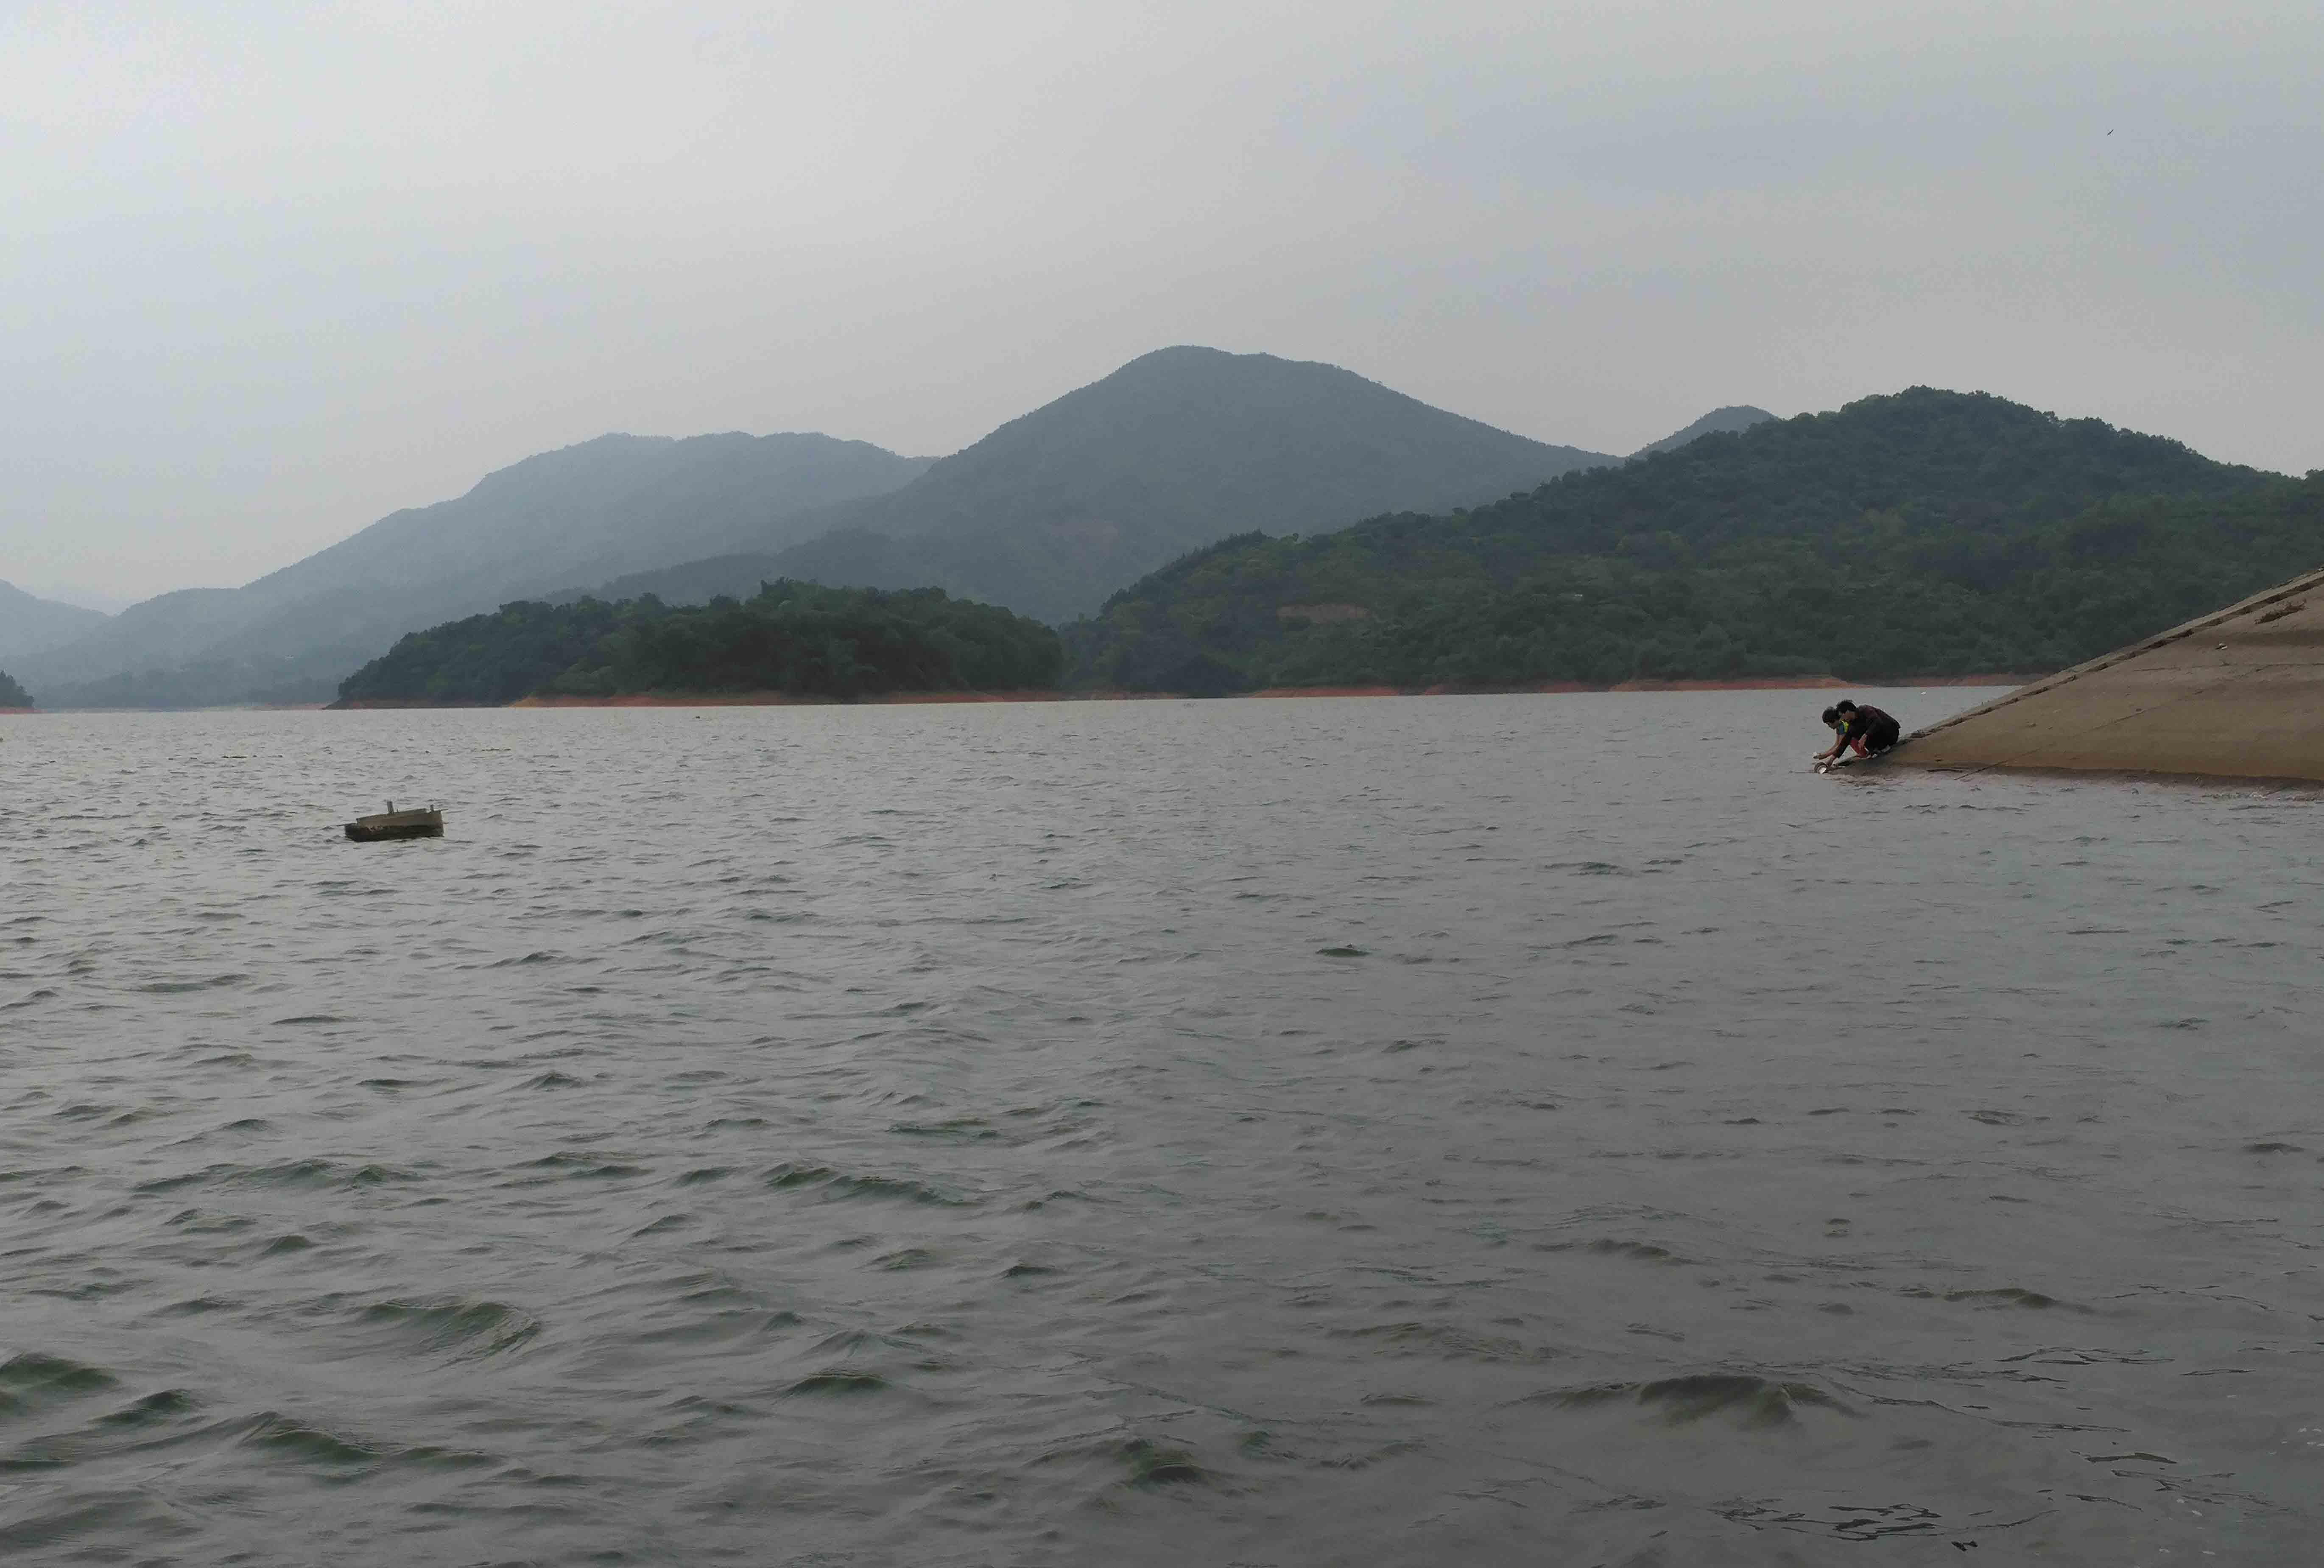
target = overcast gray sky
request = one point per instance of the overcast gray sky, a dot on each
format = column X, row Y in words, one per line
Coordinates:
column 269, row 271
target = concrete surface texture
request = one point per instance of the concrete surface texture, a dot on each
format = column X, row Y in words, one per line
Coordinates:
column 2238, row 693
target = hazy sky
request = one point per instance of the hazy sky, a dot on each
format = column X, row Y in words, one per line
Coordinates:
column 269, row 271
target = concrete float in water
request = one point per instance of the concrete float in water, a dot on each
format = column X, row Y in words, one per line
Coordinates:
column 423, row 822
column 2236, row 694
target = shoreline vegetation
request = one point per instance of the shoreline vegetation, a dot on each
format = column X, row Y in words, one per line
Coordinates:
column 793, row 640
column 801, row 644
column 699, row 699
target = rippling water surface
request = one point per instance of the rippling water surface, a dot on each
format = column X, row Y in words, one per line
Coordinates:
column 1555, row 1130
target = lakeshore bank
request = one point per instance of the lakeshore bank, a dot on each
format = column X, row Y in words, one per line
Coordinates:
column 748, row 699
column 2236, row 694
column 1545, row 687
column 1739, row 683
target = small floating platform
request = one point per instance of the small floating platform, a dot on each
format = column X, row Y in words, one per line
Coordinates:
column 425, row 822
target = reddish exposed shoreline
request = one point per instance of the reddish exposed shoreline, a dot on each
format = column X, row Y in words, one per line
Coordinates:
column 742, row 700
column 788, row 699
column 737, row 699
column 1739, row 683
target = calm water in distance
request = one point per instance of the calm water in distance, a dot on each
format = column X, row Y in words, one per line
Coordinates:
column 1481, row 1130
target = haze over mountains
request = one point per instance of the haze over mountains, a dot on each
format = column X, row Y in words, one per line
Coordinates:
column 599, row 509
column 1048, row 515
column 1922, row 533
column 28, row 623
column 1726, row 421
column 1057, row 509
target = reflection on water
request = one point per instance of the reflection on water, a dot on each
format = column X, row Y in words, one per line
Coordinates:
column 1488, row 1130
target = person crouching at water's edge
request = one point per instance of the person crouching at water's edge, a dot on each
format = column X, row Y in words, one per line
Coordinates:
column 1867, row 729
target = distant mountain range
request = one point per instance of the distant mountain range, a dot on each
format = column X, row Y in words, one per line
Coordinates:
column 1726, row 421
column 615, row 505
column 1927, row 532
column 1048, row 515
column 31, row 624
column 1057, row 509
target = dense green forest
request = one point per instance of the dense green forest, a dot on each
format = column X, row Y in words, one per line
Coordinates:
column 791, row 637
column 1923, row 533
column 13, row 696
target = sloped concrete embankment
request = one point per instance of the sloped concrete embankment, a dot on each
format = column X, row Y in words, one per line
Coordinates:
column 2238, row 693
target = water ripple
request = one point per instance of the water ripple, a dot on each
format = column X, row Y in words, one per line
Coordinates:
column 1479, row 1130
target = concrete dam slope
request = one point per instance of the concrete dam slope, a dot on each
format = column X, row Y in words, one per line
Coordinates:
column 2238, row 693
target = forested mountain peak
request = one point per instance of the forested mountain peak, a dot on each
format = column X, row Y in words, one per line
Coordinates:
column 1247, row 426
column 1990, row 460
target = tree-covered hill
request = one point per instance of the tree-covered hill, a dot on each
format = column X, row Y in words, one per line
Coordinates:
column 1923, row 533
column 13, row 696
column 1061, row 506
column 791, row 637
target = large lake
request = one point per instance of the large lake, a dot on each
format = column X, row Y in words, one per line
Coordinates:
column 1441, row 1131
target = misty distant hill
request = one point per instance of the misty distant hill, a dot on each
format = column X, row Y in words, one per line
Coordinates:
column 1723, row 421
column 615, row 505
column 1924, row 533
column 28, row 625
column 1057, row 509
column 1046, row 515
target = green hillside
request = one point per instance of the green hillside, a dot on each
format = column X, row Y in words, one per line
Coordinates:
column 1923, row 533
column 13, row 696
column 791, row 637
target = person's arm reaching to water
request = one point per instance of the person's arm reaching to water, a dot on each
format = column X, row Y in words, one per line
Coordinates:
column 1832, row 716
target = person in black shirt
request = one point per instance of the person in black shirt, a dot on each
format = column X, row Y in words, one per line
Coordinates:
column 1867, row 729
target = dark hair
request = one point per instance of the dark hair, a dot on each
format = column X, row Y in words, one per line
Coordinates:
column 1844, row 707
column 1830, row 715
